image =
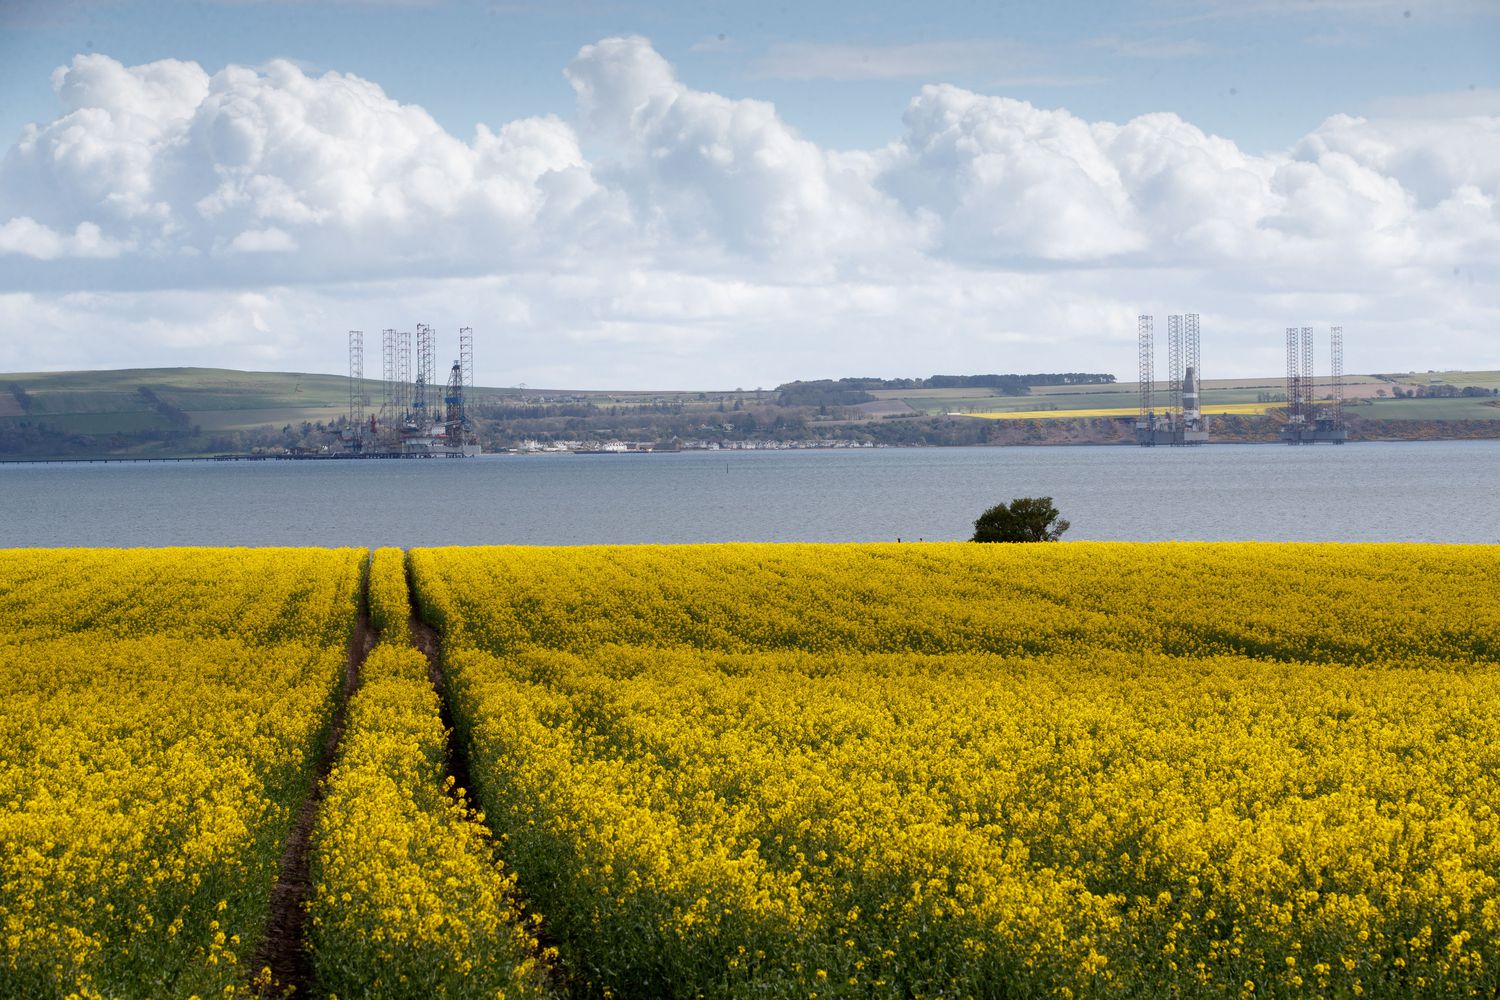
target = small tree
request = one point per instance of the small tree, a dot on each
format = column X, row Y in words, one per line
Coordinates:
column 1026, row 519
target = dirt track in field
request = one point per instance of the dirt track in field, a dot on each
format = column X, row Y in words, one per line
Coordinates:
column 284, row 950
column 427, row 640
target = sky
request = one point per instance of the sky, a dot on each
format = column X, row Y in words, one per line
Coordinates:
column 715, row 195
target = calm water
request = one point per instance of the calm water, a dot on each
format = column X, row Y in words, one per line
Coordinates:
column 1426, row 491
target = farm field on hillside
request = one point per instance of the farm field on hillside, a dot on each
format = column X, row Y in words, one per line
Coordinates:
column 896, row 770
column 1487, row 379
column 162, row 710
column 1431, row 409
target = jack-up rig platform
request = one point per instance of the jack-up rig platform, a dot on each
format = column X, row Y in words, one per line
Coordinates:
column 1310, row 420
column 409, row 422
column 1181, row 420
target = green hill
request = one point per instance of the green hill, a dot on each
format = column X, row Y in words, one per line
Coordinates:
column 213, row 398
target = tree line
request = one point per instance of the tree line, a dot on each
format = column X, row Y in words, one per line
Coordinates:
column 853, row 391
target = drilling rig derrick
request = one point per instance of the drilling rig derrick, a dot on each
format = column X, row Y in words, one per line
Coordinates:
column 417, row 417
column 1181, row 421
column 456, row 420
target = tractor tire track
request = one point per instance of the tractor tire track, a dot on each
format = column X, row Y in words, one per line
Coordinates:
column 284, row 949
column 429, row 641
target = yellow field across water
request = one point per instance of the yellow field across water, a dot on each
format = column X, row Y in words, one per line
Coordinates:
column 1122, row 411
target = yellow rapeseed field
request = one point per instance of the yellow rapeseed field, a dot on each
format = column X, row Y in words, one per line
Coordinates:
column 752, row 770
column 160, row 713
column 1211, row 409
column 963, row 770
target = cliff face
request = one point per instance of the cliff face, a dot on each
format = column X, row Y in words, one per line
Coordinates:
column 1423, row 430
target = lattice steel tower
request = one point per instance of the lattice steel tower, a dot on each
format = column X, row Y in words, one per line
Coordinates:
column 1190, row 357
column 466, row 354
column 1174, row 370
column 389, row 393
column 1336, row 364
column 403, row 376
column 357, row 397
column 420, row 416
column 1309, row 395
column 1293, row 378
column 1145, row 370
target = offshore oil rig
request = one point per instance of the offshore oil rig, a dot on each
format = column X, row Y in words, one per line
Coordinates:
column 1309, row 421
column 410, row 423
column 1181, row 420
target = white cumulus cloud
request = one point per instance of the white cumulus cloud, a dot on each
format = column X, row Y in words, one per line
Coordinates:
column 174, row 161
column 1008, row 180
column 269, row 240
column 24, row 235
column 702, row 171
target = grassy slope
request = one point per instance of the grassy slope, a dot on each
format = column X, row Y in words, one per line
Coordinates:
column 96, row 402
column 93, row 402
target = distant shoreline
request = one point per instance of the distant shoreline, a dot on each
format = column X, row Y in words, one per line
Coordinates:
column 806, row 447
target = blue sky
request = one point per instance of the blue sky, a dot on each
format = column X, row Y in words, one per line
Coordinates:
column 730, row 172
column 1260, row 73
